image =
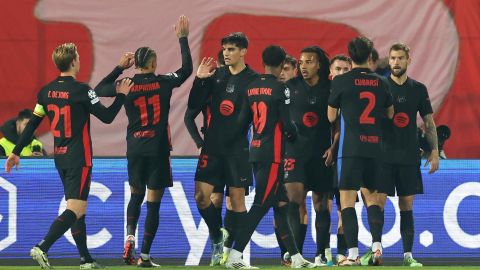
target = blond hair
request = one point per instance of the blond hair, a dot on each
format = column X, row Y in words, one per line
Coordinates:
column 63, row 56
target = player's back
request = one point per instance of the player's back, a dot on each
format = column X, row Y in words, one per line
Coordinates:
column 147, row 107
column 362, row 97
column 265, row 96
column 64, row 102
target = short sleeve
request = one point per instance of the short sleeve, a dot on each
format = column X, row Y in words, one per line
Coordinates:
column 335, row 94
column 425, row 106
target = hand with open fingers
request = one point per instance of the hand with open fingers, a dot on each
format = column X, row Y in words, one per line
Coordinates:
column 127, row 60
column 124, row 86
column 206, row 68
column 182, row 26
column 12, row 160
column 328, row 156
column 434, row 161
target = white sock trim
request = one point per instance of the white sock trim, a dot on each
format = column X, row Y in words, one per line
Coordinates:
column 353, row 253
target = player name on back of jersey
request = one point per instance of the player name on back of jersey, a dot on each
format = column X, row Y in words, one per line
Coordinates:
column 145, row 87
column 58, row 94
column 366, row 82
column 259, row 91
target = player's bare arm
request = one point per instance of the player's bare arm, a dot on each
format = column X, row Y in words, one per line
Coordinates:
column 13, row 160
column 332, row 114
column 390, row 112
column 432, row 139
column 329, row 154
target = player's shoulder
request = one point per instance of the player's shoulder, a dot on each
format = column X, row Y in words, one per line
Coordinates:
column 295, row 81
column 251, row 73
column 416, row 84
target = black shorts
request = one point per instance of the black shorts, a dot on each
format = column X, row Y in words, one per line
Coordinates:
column 269, row 186
column 76, row 182
column 223, row 189
column 405, row 179
column 219, row 171
column 312, row 172
column 154, row 172
column 356, row 172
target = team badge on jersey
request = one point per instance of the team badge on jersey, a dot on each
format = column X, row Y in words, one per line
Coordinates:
column 230, row 88
column 93, row 96
column 312, row 100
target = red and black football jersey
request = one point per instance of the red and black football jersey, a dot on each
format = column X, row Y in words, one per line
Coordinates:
column 68, row 103
column 308, row 109
column 226, row 134
column 268, row 101
column 362, row 97
column 401, row 144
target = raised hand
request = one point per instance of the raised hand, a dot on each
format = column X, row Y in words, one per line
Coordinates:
column 126, row 61
column 181, row 28
column 206, row 68
column 123, row 87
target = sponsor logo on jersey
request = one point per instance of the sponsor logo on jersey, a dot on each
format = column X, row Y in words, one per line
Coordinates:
column 310, row 119
column 401, row 119
column 226, row 107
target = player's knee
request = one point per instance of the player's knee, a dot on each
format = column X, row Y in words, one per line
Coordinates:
column 202, row 200
column 217, row 199
column 405, row 203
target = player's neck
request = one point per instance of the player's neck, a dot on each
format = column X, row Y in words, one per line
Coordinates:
column 237, row 68
column 68, row 74
column 364, row 65
column 312, row 81
column 399, row 80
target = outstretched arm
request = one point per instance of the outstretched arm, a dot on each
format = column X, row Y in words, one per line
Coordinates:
column 181, row 30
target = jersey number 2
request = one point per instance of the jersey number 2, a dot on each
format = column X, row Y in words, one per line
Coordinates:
column 365, row 117
column 67, row 120
column 141, row 103
column 259, row 116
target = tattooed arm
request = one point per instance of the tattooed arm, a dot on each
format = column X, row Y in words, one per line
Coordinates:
column 432, row 139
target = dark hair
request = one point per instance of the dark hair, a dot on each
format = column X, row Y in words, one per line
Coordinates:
column 341, row 57
column 220, row 58
column 359, row 49
column 322, row 56
column 63, row 55
column 236, row 38
column 374, row 55
column 291, row 60
column 143, row 56
column 24, row 114
column 401, row 47
column 273, row 56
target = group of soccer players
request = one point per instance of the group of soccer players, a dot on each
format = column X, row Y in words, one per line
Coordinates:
column 308, row 133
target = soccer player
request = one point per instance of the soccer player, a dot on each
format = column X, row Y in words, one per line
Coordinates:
column 224, row 156
column 339, row 65
column 363, row 100
column 400, row 170
column 68, row 105
column 268, row 100
column 148, row 141
column 308, row 160
column 289, row 69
